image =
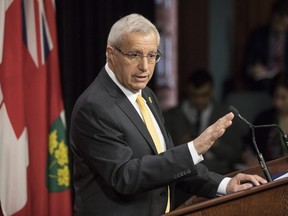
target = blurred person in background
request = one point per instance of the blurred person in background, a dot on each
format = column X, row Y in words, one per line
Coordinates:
column 198, row 110
column 267, row 50
column 269, row 139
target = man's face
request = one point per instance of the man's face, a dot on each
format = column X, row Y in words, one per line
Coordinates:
column 200, row 97
column 280, row 23
column 134, row 75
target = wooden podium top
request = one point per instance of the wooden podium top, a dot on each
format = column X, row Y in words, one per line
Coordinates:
column 268, row 199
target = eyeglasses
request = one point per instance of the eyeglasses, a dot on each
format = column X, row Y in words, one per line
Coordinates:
column 136, row 57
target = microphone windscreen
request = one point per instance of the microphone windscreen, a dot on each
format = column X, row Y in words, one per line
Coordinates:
column 234, row 110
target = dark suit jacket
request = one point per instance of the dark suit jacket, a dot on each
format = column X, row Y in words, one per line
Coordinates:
column 116, row 169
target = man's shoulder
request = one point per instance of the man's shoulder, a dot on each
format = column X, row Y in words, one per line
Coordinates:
column 261, row 32
column 175, row 109
column 220, row 108
column 173, row 113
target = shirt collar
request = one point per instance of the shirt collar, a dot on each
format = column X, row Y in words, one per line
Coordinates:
column 129, row 94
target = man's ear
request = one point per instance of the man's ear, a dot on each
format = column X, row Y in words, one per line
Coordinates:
column 110, row 53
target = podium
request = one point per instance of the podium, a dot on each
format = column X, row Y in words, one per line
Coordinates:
column 267, row 199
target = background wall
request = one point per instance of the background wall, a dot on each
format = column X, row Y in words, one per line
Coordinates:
column 221, row 41
column 83, row 28
column 209, row 34
column 193, row 39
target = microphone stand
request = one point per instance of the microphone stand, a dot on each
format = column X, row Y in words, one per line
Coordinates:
column 259, row 154
column 284, row 136
column 260, row 157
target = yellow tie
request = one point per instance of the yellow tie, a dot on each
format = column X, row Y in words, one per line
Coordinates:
column 150, row 126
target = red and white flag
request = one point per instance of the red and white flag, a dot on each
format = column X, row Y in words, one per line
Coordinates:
column 34, row 162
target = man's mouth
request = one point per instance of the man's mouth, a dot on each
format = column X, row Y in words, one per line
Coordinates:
column 141, row 78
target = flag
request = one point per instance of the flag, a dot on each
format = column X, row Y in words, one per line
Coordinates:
column 13, row 129
column 34, row 160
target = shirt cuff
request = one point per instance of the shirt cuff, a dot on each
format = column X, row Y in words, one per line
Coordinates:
column 195, row 157
column 223, row 186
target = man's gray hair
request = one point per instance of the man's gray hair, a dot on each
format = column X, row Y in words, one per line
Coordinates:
column 129, row 24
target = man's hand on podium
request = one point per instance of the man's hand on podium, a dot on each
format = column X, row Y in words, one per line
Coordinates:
column 242, row 182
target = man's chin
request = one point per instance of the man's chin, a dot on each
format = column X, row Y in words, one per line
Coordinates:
column 139, row 87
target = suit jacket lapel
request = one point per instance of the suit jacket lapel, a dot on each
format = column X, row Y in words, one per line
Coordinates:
column 133, row 115
column 125, row 105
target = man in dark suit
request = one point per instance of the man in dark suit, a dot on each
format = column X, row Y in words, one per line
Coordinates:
column 195, row 113
column 267, row 49
column 117, row 168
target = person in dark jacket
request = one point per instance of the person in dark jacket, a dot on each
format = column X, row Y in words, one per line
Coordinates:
column 269, row 139
column 125, row 162
column 195, row 113
column 267, row 49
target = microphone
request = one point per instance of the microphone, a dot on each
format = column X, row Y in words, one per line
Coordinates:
column 283, row 135
column 259, row 154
